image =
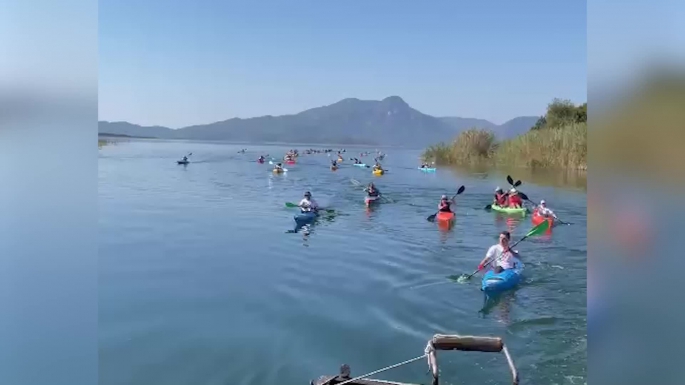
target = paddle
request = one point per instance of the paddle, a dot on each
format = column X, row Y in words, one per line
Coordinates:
column 431, row 218
column 293, row 205
column 539, row 229
column 511, row 182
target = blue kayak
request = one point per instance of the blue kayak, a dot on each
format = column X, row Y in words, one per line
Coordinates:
column 359, row 164
column 506, row 280
column 306, row 217
column 427, row 169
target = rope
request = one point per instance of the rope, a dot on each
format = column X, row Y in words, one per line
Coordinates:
column 383, row 370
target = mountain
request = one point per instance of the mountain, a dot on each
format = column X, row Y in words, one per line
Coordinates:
column 507, row 130
column 390, row 121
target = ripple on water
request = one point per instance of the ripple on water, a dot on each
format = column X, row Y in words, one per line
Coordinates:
column 199, row 283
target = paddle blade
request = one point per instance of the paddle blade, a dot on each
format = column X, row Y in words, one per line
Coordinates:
column 431, row 218
column 488, row 207
column 539, row 229
column 461, row 190
column 523, row 196
column 291, row 205
column 511, row 181
column 518, row 183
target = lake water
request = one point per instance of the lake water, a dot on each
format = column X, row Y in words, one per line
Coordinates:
column 199, row 283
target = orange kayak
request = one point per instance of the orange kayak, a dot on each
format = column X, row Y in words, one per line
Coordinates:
column 444, row 217
column 536, row 219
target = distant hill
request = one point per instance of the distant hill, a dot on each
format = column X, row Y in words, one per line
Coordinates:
column 507, row 130
column 390, row 121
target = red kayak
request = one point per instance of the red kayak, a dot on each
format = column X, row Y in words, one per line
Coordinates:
column 536, row 219
column 446, row 217
column 260, row 160
column 370, row 200
column 290, row 161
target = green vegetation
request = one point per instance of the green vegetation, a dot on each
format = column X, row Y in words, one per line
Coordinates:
column 557, row 140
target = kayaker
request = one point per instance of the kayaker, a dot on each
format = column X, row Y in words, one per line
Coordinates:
column 308, row 203
column 185, row 158
column 377, row 166
column 445, row 205
column 543, row 210
column 515, row 201
column 501, row 252
column 372, row 191
column 500, row 197
column 279, row 167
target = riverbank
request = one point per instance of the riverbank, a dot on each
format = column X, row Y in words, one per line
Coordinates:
column 557, row 141
column 564, row 148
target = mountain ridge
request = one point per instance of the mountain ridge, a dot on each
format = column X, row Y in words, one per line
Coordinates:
column 390, row 121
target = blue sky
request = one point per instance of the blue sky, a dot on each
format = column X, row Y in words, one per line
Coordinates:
column 177, row 63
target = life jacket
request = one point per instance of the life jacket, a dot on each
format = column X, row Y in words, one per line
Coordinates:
column 444, row 206
column 373, row 192
column 501, row 199
column 515, row 200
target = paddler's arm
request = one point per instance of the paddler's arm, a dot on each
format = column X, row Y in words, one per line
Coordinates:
column 489, row 255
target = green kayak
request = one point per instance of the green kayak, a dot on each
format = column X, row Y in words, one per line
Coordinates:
column 507, row 210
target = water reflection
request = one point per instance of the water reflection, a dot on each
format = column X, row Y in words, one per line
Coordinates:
column 571, row 179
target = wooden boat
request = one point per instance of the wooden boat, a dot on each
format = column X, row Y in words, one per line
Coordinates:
column 438, row 342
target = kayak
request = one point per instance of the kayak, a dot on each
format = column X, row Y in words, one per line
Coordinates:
column 182, row 162
column 536, row 219
column 278, row 171
column 333, row 168
column 340, row 160
column 506, row 280
column 260, row 160
column 368, row 201
column 360, row 164
column 507, row 210
column 378, row 172
column 305, row 217
column 290, row 161
column 427, row 169
column 445, row 217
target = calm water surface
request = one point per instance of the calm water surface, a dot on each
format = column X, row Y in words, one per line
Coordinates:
column 201, row 284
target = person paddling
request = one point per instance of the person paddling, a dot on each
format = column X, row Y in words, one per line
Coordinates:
column 185, row 158
column 500, row 197
column 308, row 203
column 445, row 205
column 372, row 191
column 279, row 167
column 502, row 253
column 515, row 201
column 544, row 211
column 377, row 167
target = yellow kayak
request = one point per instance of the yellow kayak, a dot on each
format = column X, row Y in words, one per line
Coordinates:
column 378, row 172
column 277, row 171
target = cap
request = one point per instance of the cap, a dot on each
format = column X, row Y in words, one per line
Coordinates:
column 513, row 190
column 443, row 197
column 498, row 189
column 542, row 202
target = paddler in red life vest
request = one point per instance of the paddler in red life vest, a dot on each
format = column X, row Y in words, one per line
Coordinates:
column 515, row 201
column 445, row 204
column 500, row 197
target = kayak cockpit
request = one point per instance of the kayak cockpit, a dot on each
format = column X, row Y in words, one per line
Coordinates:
column 438, row 342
